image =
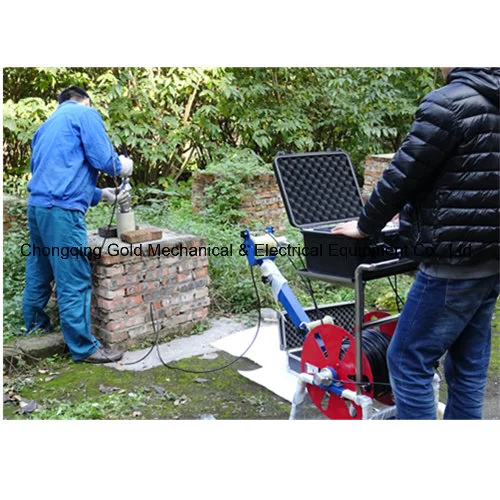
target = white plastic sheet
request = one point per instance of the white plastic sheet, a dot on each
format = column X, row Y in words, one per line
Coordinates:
column 265, row 351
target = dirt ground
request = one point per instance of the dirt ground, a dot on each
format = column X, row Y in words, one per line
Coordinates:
column 57, row 388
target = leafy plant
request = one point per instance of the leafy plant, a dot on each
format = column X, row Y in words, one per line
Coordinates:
column 13, row 270
column 230, row 186
column 176, row 120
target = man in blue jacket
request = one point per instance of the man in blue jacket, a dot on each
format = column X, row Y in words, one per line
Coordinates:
column 445, row 180
column 68, row 152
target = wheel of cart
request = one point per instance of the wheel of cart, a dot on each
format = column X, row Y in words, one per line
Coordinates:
column 343, row 368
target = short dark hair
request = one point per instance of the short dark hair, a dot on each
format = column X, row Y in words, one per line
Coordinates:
column 73, row 93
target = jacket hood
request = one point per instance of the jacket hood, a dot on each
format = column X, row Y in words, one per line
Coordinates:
column 486, row 81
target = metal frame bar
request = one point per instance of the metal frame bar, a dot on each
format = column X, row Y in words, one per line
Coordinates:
column 359, row 308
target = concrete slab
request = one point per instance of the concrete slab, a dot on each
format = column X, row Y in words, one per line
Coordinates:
column 34, row 348
column 177, row 349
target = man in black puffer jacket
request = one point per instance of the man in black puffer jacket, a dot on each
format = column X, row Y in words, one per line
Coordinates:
column 445, row 183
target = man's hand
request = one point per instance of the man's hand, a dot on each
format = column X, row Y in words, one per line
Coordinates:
column 127, row 166
column 112, row 194
column 349, row 229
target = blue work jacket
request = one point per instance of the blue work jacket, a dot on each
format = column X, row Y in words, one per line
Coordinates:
column 68, row 151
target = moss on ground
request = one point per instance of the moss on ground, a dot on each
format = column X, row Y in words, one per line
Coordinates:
column 65, row 390
column 494, row 368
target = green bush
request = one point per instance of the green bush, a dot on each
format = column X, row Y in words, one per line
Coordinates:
column 175, row 120
column 20, row 121
column 13, row 273
column 231, row 178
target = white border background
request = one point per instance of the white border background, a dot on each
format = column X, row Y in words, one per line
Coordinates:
column 249, row 459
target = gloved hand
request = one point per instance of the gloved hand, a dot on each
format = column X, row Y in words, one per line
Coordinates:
column 127, row 166
column 110, row 195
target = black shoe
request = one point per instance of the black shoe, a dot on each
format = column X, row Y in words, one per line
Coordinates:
column 103, row 355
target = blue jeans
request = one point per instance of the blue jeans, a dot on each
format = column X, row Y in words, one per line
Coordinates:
column 443, row 315
column 51, row 231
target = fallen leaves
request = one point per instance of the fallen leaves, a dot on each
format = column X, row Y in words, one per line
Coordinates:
column 50, row 375
column 181, row 401
column 109, row 390
column 158, row 389
column 25, row 405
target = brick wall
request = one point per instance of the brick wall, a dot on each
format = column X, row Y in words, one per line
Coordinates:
column 125, row 285
column 374, row 167
column 264, row 204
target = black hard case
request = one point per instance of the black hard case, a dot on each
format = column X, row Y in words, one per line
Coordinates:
column 320, row 190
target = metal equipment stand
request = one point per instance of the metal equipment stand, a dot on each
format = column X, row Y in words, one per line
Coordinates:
column 364, row 273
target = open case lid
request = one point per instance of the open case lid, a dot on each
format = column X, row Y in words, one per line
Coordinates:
column 318, row 187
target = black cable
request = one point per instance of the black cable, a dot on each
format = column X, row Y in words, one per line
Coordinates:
column 115, row 203
column 156, row 332
column 155, row 343
column 220, row 367
column 375, row 345
column 399, row 301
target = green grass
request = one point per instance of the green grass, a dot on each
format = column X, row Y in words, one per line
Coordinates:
column 88, row 392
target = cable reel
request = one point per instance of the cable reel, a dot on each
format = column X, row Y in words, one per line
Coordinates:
column 332, row 346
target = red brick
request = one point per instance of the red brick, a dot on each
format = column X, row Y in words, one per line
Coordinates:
column 112, row 283
column 140, row 288
column 136, row 267
column 108, row 260
column 124, row 323
column 153, row 275
column 181, row 277
column 109, row 294
column 141, row 235
column 107, row 271
column 157, row 295
column 153, row 263
column 140, row 331
column 200, row 272
column 110, row 337
column 168, row 270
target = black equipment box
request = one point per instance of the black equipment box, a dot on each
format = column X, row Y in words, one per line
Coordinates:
column 320, row 190
column 292, row 338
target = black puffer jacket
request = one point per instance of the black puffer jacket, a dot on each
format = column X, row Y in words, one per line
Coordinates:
column 445, row 178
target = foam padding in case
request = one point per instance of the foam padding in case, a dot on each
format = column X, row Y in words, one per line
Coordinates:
column 318, row 187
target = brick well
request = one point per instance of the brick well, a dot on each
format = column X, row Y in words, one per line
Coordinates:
column 264, row 204
column 125, row 285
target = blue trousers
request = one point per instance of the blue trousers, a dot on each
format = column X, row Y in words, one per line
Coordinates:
column 439, row 316
column 55, row 234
